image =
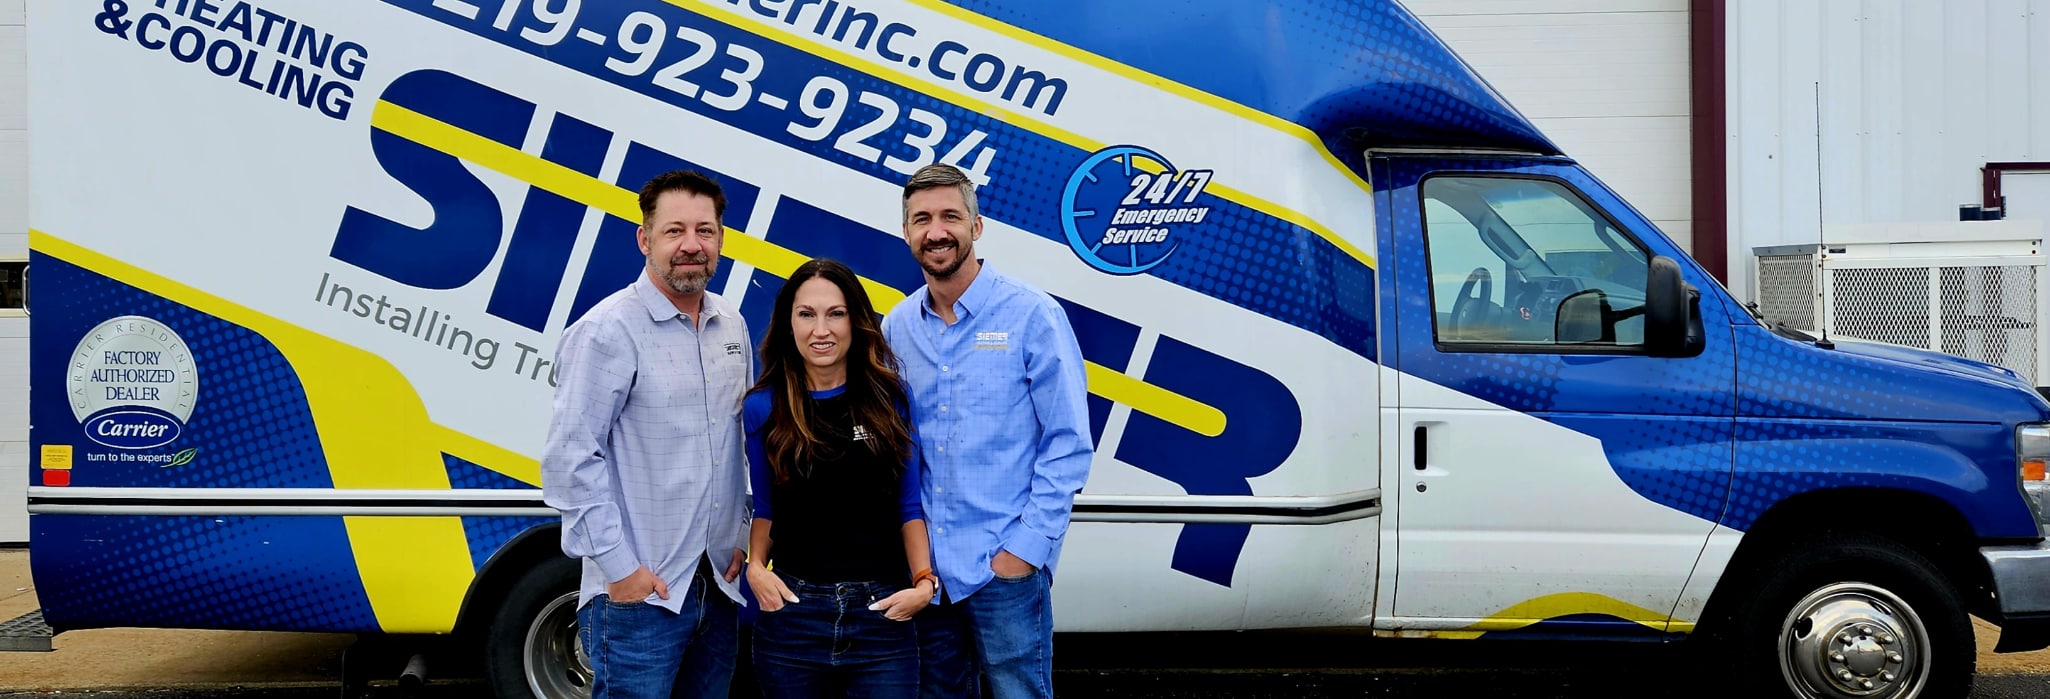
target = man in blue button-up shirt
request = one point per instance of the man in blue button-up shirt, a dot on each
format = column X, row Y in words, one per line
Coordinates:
column 644, row 458
column 999, row 397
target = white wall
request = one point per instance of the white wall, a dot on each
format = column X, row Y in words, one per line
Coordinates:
column 1916, row 96
column 1604, row 79
column 13, row 245
column 2027, row 195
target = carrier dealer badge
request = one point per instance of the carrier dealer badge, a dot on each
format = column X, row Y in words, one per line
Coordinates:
column 1126, row 207
column 132, row 383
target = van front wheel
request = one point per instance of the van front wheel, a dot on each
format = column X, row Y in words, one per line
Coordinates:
column 531, row 648
column 1857, row 617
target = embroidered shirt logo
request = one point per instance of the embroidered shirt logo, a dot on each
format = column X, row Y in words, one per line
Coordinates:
column 993, row 341
column 861, row 434
column 733, row 349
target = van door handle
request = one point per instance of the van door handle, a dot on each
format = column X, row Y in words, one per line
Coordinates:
column 1423, row 446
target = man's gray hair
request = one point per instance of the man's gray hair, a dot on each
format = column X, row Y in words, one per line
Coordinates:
column 939, row 175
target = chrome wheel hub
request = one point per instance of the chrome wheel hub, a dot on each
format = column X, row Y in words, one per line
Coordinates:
column 554, row 655
column 1853, row 640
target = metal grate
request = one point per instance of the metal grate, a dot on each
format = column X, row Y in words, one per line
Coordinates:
column 1786, row 290
column 1887, row 305
column 26, row 633
column 1988, row 314
column 1982, row 313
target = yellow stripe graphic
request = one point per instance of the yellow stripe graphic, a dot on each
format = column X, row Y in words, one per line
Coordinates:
column 375, row 433
column 491, row 456
column 777, row 32
column 774, row 259
column 1563, row 604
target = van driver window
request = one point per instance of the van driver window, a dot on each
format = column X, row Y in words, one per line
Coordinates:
column 1529, row 263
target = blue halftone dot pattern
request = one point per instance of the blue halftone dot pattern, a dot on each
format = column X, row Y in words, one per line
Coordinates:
column 464, row 475
column 1239, row 255
column 1680, row 462
column 254, row 573
column 1808, row 423
column 1358, row 73
column 489, row 534
column 250, row 424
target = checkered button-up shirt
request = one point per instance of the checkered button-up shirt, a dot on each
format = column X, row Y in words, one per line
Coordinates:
column 644, row 451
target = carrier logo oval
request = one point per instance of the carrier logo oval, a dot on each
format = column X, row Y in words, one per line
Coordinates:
column 132, row 429
column 132, row 383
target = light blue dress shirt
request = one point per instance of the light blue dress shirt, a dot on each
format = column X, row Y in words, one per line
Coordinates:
column 644, row 450
column 1000, row 402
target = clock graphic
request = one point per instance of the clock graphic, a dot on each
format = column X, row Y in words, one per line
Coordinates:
column 1125, row 208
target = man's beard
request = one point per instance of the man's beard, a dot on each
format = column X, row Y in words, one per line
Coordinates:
column 688, row 282
column 961, row 255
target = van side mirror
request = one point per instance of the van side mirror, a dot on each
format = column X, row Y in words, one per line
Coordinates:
column 1672, row 312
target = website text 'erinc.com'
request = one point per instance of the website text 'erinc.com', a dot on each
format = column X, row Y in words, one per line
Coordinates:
column 897, row 42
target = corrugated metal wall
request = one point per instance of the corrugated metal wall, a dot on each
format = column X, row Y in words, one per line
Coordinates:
column 1605, row 79
column 13, row 245
column 1916, row 96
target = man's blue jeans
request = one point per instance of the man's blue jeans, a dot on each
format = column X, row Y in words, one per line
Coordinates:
column 830, row 644
column 641, row 651
column 1005, row 628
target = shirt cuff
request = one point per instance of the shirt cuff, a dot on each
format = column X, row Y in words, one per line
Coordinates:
column 1030, row 547
column 617, row 563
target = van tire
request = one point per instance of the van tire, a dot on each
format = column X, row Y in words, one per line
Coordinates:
column 1849, row 603
column 526, row 651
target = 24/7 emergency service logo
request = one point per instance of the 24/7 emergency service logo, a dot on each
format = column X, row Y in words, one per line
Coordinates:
column 132, row 383
column 1125, row 208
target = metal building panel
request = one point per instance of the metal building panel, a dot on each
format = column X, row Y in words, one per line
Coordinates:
column 13, row 77
column 2039, row 80
column 1916, row 97
column 13, row 191
column 13, row 12
column 2028, row 195
column 1922, row 63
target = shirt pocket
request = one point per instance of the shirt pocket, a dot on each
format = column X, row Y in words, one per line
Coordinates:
column 994, row 380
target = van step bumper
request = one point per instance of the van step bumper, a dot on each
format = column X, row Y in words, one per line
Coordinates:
column 26, row 633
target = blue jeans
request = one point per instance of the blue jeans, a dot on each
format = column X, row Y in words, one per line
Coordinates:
column 642, row 651
column 1005, row 630
column 830, row 644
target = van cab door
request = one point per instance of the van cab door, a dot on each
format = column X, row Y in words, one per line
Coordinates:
column 1552, row 475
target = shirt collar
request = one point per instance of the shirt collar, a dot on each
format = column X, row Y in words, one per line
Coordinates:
column 977, row 295
column 659, row 307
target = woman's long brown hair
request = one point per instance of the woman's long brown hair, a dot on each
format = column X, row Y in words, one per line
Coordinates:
column 873, row 387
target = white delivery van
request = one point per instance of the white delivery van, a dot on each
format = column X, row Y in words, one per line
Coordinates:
column 1366, row 350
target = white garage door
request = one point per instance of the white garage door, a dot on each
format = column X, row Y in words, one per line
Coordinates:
column 1604, row 79
column 13, row 246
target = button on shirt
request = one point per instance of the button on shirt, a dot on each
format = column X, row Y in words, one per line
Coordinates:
column 644, row 451
column 1000, row 403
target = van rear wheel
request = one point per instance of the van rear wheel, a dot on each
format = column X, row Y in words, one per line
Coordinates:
column 532, row 648
column 1856, row 617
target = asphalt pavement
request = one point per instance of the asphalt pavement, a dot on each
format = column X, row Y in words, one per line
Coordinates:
column 177, row 664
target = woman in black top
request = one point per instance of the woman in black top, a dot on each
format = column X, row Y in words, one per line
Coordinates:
column 836, row 492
